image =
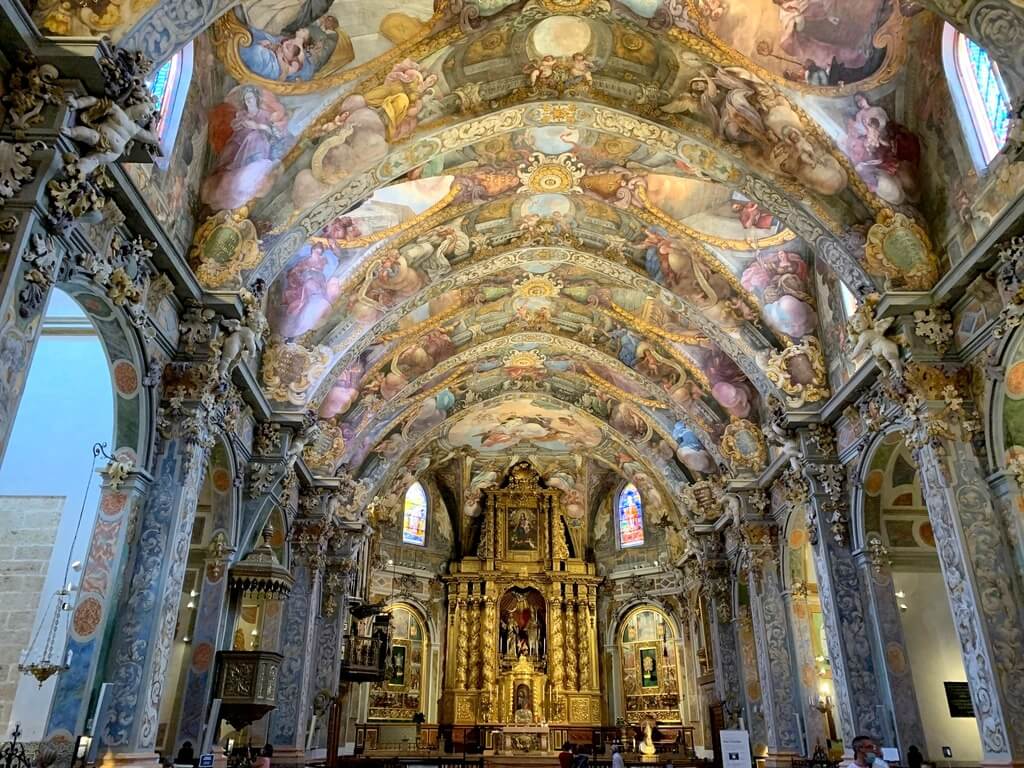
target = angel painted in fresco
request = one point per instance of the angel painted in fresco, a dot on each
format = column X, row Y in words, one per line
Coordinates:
column 299, row 55
column 343, row 392
column 249, row 134
column 670, row 263
column 690, row 451
column 386, row 283
column 354, row 139
column 781, row 281
column 886, row 154
column 729, row 385
column 401, row 97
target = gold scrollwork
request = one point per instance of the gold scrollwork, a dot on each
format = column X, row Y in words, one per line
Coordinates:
column 743, row 446
column 789, row 368
column 224, row 245
column 899, row 249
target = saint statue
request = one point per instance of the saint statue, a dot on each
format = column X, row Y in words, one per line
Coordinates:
column 533, row 635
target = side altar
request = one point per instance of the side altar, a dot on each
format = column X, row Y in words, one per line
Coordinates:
column 522, row 626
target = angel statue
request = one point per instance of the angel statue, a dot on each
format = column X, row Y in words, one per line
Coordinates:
column 109, row 128
column 868, row 335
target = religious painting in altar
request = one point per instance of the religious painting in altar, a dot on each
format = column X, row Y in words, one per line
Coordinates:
column 523, row 625
column 399, row 695
column 650, row 671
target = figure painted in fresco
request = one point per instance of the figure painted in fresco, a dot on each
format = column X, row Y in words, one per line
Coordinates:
column 780, row 280
column 249, row 134
column 886, row 154
column 309, row 292
column 401, row 97
column 819, row 42
column 299, row 55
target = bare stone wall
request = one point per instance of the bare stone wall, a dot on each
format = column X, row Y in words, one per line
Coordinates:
column 28, row 528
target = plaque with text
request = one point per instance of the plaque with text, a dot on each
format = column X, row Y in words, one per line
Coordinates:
column 958, row 698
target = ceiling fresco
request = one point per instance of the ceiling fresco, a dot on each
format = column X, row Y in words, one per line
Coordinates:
column 581, row 232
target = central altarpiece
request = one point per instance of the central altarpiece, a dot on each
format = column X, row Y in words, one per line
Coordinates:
column 522, row 627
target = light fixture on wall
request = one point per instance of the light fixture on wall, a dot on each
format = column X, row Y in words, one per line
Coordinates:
column 40, row 662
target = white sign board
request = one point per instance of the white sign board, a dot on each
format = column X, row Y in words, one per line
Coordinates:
column 735, row 749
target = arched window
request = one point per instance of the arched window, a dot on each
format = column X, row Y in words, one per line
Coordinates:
column 169, row 87
column 414, row 523
column 631, row 517
column 979, row 95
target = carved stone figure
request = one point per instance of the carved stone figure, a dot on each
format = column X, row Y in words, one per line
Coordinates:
column 109, row 129
column 240, row 342
column 868, row 335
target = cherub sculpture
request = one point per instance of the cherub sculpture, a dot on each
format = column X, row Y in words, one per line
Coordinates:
column 788, row 443
column 240, row 342
column 109, row 129
column 868, row 335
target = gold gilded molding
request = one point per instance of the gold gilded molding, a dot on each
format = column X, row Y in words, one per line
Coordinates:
column 743, row 446
column 899, row 249
column 223, row 246
column 806, row 354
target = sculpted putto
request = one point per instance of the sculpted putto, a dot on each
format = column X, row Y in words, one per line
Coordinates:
column 110, row 128
column 868, row 335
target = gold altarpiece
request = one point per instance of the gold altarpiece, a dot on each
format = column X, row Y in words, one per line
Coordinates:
column 522, row 626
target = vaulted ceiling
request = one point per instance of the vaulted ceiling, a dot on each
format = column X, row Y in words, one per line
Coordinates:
column 560, row 227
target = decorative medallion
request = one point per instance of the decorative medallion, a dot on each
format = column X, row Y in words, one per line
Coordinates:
column 898, row 249
column 289, row 370
column 538, row 287
column 87, row 617
column 326, row 450
column 225, row 245
column 546, row 174
column 799, row 371
column 743, row 446
column 524, row 364
column 126, row 378
column 567, row 6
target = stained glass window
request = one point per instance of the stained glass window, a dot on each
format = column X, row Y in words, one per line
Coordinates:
column 984, row 93
column 631, row 517
column 414, row 525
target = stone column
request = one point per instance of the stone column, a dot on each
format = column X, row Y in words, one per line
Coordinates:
column 571, row 655
column 207, row 638
column 856, row 673
column 750, row 676
column 773, row 641
column 147, row 609
column 30, row 258
column 981, row 581
column 885, row 614
column 815, row 722
column 330, row 631
column 288, row 722
column 723, row 640
column 94, row 609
